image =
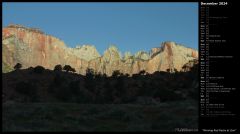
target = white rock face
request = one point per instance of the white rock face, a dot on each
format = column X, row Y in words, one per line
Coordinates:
column 127, row 55
column 86, row 52
column 142, row 55
column 112, row 54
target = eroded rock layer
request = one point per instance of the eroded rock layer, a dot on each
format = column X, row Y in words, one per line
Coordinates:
column 32, row 47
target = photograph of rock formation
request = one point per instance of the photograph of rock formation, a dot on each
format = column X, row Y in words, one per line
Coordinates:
column 118, row 67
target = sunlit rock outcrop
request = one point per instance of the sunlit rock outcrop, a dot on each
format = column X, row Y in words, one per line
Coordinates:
column 32, row 47
column 86, row 52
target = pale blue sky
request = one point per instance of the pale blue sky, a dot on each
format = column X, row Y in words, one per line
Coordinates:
column 130, row 26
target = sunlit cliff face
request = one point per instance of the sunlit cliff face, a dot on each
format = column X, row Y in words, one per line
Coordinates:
column 31, row 47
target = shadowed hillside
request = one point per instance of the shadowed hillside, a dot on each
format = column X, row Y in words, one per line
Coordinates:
column 42, row 85
column 38, row 99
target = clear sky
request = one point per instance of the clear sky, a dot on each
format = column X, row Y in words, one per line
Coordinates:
column 130, row 26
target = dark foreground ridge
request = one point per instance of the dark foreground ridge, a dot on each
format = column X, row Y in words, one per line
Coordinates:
column 38, row 99
column 42, row 85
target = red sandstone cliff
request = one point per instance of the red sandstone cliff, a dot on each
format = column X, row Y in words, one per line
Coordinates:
column 31, row 47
